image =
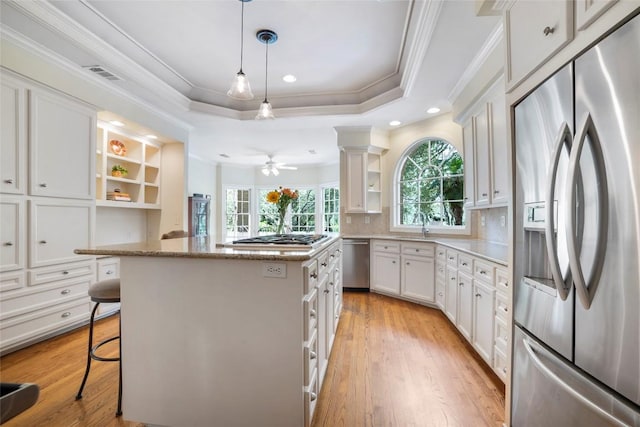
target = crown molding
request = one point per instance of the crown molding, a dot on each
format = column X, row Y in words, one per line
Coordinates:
column 494, row 39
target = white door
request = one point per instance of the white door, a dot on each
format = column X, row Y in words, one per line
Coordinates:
column 483, row 332
column 417, row 277
column 464, row 318
column 12, row 234
column 12, row 136
column 386, row 273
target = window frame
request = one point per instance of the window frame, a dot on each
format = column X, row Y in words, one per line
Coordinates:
column 395, row 216
column 224, row 230
column 329, row 185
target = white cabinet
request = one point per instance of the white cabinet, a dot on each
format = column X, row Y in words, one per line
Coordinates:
column 469, row 167
column 587, row 11
column 500, row 170
column 13, row 134
column 502, row 327
column 385, row 272
column 483, row 159
column 363, row 176
column 139, row 187
column 483, row 333
column 57, row 227
column 61, row 146
column 108, row 268
column 464, row 318
column 535, row 31
column 451, row 295
column 13, row 236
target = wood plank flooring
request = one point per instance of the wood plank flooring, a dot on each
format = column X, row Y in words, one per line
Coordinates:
column 394, row 363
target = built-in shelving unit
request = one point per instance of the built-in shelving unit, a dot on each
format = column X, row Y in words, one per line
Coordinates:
column 140, row 157
column 373, row 182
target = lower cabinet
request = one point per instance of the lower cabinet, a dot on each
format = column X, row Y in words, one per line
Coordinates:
column 465, row 318
column 483, row 333
column 108, row 268
column 385, row 267
column 451, row 295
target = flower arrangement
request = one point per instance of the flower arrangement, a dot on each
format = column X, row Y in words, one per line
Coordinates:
column 282, row 198
column 118, row 170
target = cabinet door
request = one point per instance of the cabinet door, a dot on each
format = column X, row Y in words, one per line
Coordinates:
column 440, row 293
column 12, row 234
column 451, row 295
column 385, row 274
column 483, row 159
column 417, row 278
column 57, row 228
column 12, row 136
column 329, row 294
column 500, row 169
column 483, row 333
column 62, row 147
column 535, row 30
column 356, row 185
column 587, row 11
column 469, row 164
column 464, row 319
column 323, row 351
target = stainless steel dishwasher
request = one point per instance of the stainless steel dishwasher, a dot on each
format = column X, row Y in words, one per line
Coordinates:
column 355, row 264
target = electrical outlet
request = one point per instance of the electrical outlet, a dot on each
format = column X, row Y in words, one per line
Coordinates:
column 503, row 220
column 482, row 220
column 274, row 269
column 348, row 219
column 367, row 219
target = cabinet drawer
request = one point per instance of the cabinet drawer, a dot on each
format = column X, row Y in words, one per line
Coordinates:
column 500, row 363
column 310, row 398
column 441, row 254
column 323, row 262
column 465, row 263
column 310, row 358
column 385, row 246
column 418, row 249
column 452, row 258
column 483, row 271
column 11, row 281
column 501, row 335
column 108, row 268
column 502, row 306
column 310, row 276
column 12, row 234
column 310, row 314
column 35, row 298
column 440, row 290
column 58, row 272
column 19, row 329
column 502, row 281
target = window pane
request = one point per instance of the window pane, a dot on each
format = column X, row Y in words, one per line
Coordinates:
column 452, row 188
column 331, row 212
column 409, row 191
column 410, row 171
column 237, row 213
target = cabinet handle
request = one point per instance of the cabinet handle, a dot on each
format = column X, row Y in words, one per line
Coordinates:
column 65, row 314
column 496, row 191
column 505, row 309
column 43, row 242
column 484, row 194
column 453, row 278
column 548, row 30
column 504, row 370
column 332, row 256
column 43, row 185
column 8, row 181
column 313, row 275
column 108, row 272
column 312, row 313
column 330, row 283
column 313, row 396
column 324, row 264
column 440, row 253
column 65, row 292
column 326, row 291
column 451, row 258
column 312, row 355
column 64, row 273
column 417, row 250
column 8, row 244
column 479, row 295
column 461, row 284
column 393, row 262
column 464, row 264
column 483, row 272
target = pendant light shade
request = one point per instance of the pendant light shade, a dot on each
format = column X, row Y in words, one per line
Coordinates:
column 240, row 88
column 267, row 37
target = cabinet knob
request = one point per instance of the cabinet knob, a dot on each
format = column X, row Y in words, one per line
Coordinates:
column 8, row 181
column 451, row 258
column 453, row 278
column 479, row 295
column 504, row 370
column 65, row 314
column 312, row 355
column 313, row 275
column 393, row 262
column 8, row 244
column 417, row 250
column 464, row 264
column 312, row 313
column 43, row 242
column 548, row 30
column 461, row 284
column 43, row 185
column 64, row 273
column 506, row 310
column 408, row 263
column 108, row 272
column 484, row 194
column 313, row 396
column 324, row 264
column 65, row 292
column 326, row 291
column 496, row 191
column 330, row 283
column 484, row 273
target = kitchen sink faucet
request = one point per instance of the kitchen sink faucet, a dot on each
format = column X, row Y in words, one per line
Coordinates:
column 423, row 218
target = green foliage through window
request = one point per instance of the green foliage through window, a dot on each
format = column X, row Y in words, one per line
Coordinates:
column 431, row 184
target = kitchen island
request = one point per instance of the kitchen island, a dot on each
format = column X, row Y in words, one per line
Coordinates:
column 223, row 336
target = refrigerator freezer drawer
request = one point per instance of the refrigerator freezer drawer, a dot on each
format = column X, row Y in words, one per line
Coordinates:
column 548, row 392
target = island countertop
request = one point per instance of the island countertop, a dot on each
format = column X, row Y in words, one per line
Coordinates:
column 205, row 247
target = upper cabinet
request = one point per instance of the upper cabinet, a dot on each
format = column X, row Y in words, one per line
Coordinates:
column 61, row 146
column 500, row 173
column 587, row 11
column 469, row 169
column 363, row 174
column 535, row 30
column 128, row 170
column 13, row 134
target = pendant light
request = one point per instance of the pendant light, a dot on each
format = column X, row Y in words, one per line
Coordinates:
column 267, row 37
column 240, row 88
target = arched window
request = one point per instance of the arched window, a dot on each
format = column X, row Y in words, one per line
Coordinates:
column 429, row 186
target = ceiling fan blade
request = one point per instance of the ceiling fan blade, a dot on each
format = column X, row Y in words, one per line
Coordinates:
column 293, row 168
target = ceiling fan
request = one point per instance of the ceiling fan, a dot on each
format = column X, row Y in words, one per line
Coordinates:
column 271, row 167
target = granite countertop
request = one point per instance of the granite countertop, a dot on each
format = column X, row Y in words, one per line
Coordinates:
column 494, row 252
column 203, row 247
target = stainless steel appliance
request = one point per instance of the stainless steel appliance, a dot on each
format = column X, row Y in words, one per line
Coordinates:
column 355, row 264
column 576, row 356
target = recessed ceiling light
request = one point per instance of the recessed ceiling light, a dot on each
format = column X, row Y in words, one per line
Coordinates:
column 152, row 136
column 289, row 78
column 226, row 156
column 116, row 123
column 395, row 123
column 433, row 110
column 312, row 151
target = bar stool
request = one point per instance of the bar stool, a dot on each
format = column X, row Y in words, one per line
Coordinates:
column 106, row 291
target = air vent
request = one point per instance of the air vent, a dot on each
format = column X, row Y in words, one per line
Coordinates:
column 102, row 72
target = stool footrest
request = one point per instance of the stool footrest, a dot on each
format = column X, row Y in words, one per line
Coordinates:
column 94, row 356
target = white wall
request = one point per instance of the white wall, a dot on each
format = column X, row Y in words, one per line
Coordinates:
column 120, row 225
column 202, row 180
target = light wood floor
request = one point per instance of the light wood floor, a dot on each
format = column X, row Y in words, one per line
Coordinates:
column 393, row 363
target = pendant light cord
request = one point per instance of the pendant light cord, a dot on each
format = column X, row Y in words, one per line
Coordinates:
column 241, row 34
column 266, row 70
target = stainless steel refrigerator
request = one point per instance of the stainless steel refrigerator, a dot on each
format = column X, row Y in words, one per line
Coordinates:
column 576, row 343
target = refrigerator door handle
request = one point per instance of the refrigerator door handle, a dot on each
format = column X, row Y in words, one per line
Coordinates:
column 586, row 291
column 566, row 387
column 563, row 142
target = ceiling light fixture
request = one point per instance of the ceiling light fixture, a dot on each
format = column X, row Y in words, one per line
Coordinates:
column 240, row 88
column 289, row 78
column 116, row 123
column 395, row 123
column 267, row 37
column 150, row 136
column 433, row 110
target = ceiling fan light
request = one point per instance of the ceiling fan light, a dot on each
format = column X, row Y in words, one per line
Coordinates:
column 265, row 111
column 240, row 88
column 265, row 171
column 275, row 171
